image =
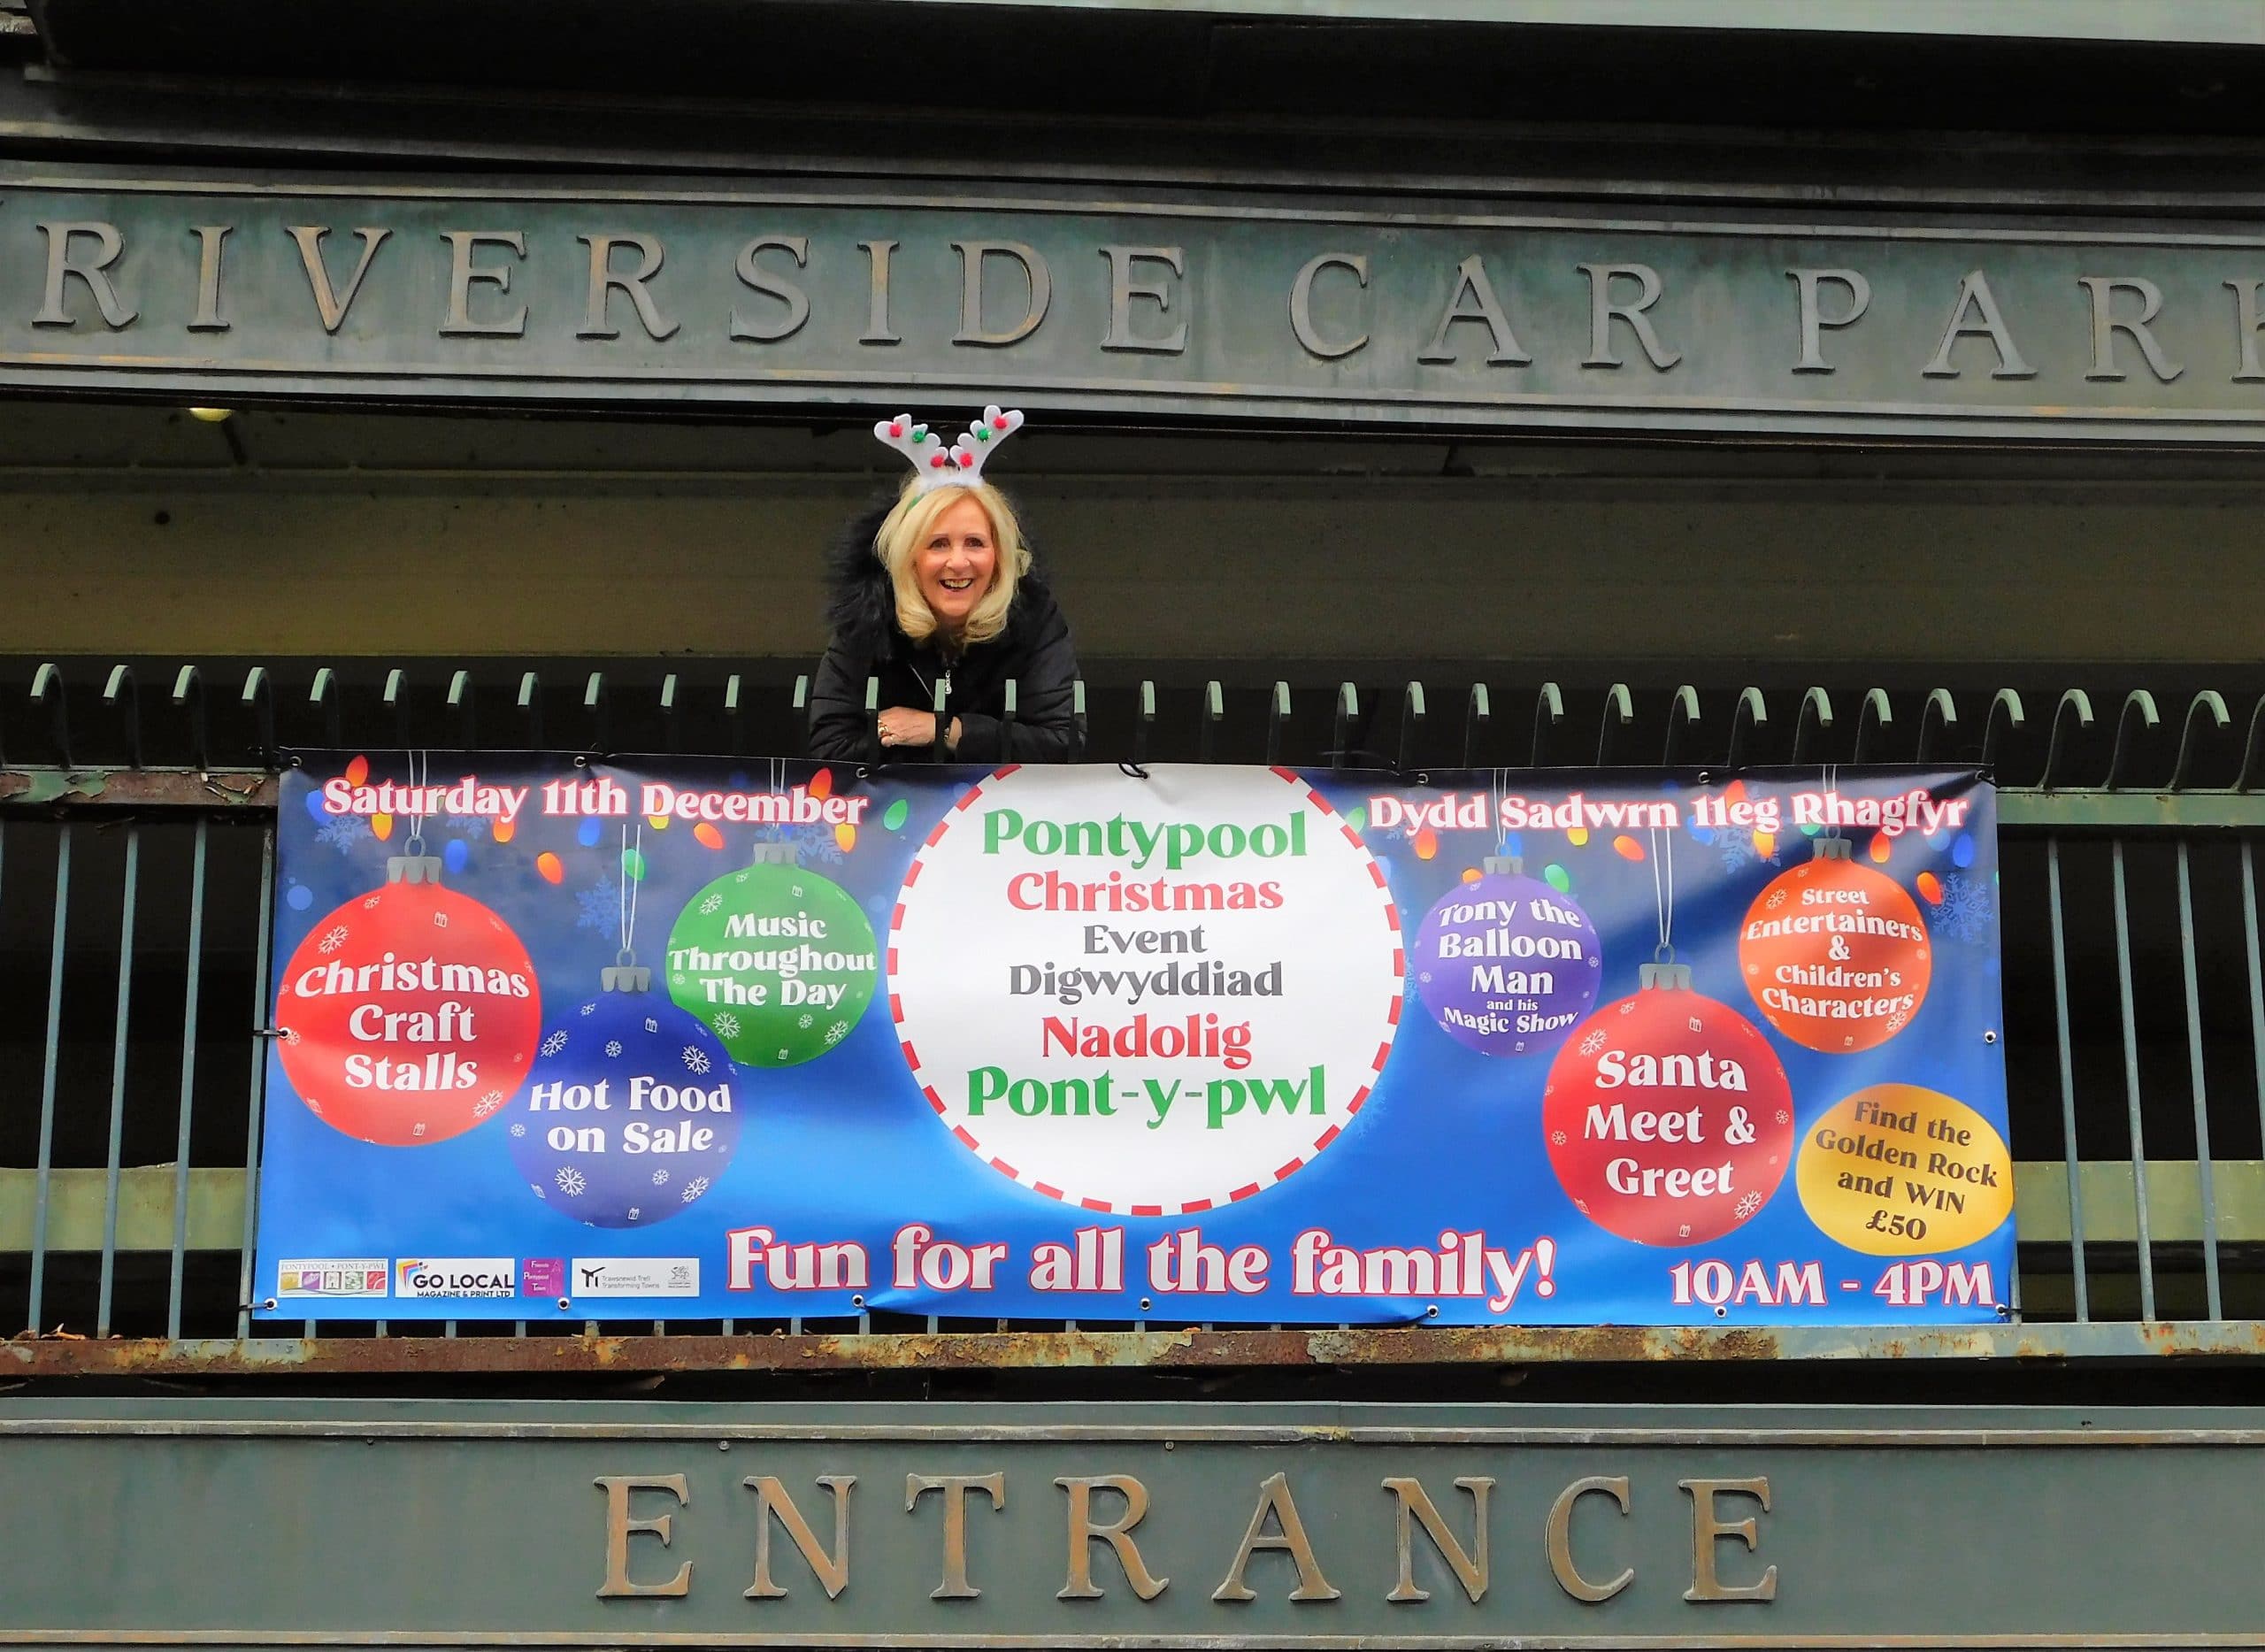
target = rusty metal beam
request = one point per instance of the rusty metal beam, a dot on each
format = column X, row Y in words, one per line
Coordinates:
column 1110, row 1351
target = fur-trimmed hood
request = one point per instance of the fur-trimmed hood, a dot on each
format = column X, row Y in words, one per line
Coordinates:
column 861, row 604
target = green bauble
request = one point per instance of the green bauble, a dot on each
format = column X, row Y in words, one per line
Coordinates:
column 777, row 961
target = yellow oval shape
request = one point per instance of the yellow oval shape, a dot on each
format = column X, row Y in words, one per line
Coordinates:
column 1899, row 1171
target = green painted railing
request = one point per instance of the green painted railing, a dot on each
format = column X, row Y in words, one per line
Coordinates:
column 136, row 852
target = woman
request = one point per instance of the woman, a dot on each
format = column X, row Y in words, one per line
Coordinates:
column 939, row 587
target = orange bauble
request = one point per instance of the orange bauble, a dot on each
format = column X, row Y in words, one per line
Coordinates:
column 1835, row 953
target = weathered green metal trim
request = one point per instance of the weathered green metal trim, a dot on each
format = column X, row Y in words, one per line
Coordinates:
column 138, row 788
column 2130, row 812
column 2199, row 22
column 1345, row 1427
column 2032, row 808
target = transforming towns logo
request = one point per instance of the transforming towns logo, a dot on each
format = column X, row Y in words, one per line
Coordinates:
column 635, row 1276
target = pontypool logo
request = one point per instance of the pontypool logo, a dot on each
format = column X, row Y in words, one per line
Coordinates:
column 332, row 1276
column 455, row 1276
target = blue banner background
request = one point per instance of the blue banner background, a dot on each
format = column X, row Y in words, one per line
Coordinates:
column 845, row 1147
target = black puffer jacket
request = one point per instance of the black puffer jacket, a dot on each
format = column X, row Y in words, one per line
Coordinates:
column 1034, row 651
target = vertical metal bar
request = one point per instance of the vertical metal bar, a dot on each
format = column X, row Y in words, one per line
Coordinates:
column 110, row 1163
column 46, row 1079
column 2132, row 1090
column 258, row 1089
column 2256, row 975
column 2068, row 1087
column 2204, row 1169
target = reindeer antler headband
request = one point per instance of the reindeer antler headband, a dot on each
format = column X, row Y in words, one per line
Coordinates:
column 960, row 465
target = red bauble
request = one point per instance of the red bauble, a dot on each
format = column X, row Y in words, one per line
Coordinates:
column 1836, row 954
column 408, row 1015
column 1668, row 1116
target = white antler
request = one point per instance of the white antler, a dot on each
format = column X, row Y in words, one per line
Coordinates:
column 918, row 443
column 979, row 440
column 938, row 465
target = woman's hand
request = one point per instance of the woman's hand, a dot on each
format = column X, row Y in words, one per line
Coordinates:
column 902, row 726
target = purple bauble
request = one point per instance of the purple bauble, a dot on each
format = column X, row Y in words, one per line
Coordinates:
column 1507, row 964
column 631, row 1113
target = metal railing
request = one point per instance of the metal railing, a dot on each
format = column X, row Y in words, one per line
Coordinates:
column 137, row 850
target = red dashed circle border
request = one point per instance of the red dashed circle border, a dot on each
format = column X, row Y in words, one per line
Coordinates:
column 1193, row 1207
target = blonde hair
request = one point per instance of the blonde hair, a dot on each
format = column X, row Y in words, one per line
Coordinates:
column 905, row 530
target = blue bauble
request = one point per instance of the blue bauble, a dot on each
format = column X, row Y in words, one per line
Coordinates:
column 631, row 1112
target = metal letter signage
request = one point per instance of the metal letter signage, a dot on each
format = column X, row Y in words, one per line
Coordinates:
column 562, row 1040
column 532, row 1525
column 1232, row 304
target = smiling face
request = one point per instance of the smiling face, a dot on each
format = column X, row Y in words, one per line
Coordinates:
column 955, row 564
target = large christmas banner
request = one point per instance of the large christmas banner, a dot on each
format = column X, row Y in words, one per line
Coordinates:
column 701, row 1040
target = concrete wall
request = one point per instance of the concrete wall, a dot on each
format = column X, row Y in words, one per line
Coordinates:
column 137, row 531
column 1457, row 570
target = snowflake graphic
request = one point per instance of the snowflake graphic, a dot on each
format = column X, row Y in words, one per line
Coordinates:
column 1966, row 911
column 313, row 1105
column 651, row 1026
column 1776, row 899
column 713, row 903
column 694, row 1188
column 541, row 1192
column 589, row 1009
column 635, row 1213
column 599, row 907
column 1896, row 1022
column 439, row 920
column 420, row 1130
column 469, row 825
column 1557, row 1138
column 660, row 1178
column 344, row 833
column 1582, row 1205
column 333, row 941
column 372, row 904
column 1592, row 1043
column 1737, row 851
column 290, row 1034
column 695, row 1059
column 613, row 1047
column 519, row 1130
column 1684, row 1232
column 1784, row 1117
column 556, row 1043
column 570, row 1181
column 835, row 1034
column 726, row 1024
column 806, row 1020
column 487, row 1103
column 1748, row 1206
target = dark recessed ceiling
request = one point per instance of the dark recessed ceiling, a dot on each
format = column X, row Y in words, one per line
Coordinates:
column 911, row 55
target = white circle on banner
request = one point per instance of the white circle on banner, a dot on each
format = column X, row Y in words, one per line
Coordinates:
column 1150, row 997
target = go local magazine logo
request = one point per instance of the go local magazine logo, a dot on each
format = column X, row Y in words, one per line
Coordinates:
column 456, row 1276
